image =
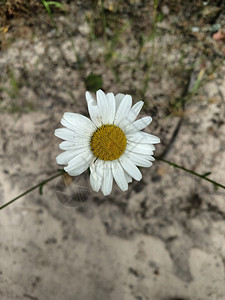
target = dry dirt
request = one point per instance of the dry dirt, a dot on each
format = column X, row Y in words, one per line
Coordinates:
column 163, row 239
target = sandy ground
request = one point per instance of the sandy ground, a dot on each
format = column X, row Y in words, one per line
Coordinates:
column 163, row 239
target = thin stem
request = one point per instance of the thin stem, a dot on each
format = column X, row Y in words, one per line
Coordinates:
column 39, row 185
column 204, row 176
column 60, row 172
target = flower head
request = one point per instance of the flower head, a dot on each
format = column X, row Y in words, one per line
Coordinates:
column 111, row 143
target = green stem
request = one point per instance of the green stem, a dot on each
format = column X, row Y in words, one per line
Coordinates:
column 40, row 185
column 60, row 172
column 204, row 176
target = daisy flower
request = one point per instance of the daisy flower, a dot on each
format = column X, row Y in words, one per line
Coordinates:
column 110, row 143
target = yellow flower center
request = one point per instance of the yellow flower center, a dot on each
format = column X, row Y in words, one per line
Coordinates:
column 108, row 142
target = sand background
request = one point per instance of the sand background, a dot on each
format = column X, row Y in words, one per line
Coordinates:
column 163, row 239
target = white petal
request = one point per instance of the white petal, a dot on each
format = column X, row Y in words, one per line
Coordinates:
column 68, row 145
column 83, row 140
column 79, row 163
column 128, row 177
column 143, row 137
column 103, row 106
column 146, row 149
column 131, row 115
column 111, row 107
column 151, row 158
column 134, row 111
column 96, row 176
column 138, row 125
column 130, row 167
column 119, row 176
column 79, row 169
column 123, row 110
column 140, row 160
column 107, row 178
column 64, row 157
column 93, row 110
column 65, row 134
column 79, row 123
column 119, row 97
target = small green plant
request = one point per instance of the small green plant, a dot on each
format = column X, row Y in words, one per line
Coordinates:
column 15, row 85
column 93, row 82
column 47, row 5
column 150, row 59
column 13, row 90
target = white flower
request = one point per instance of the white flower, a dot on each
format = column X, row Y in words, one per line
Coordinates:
column 111, row 143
